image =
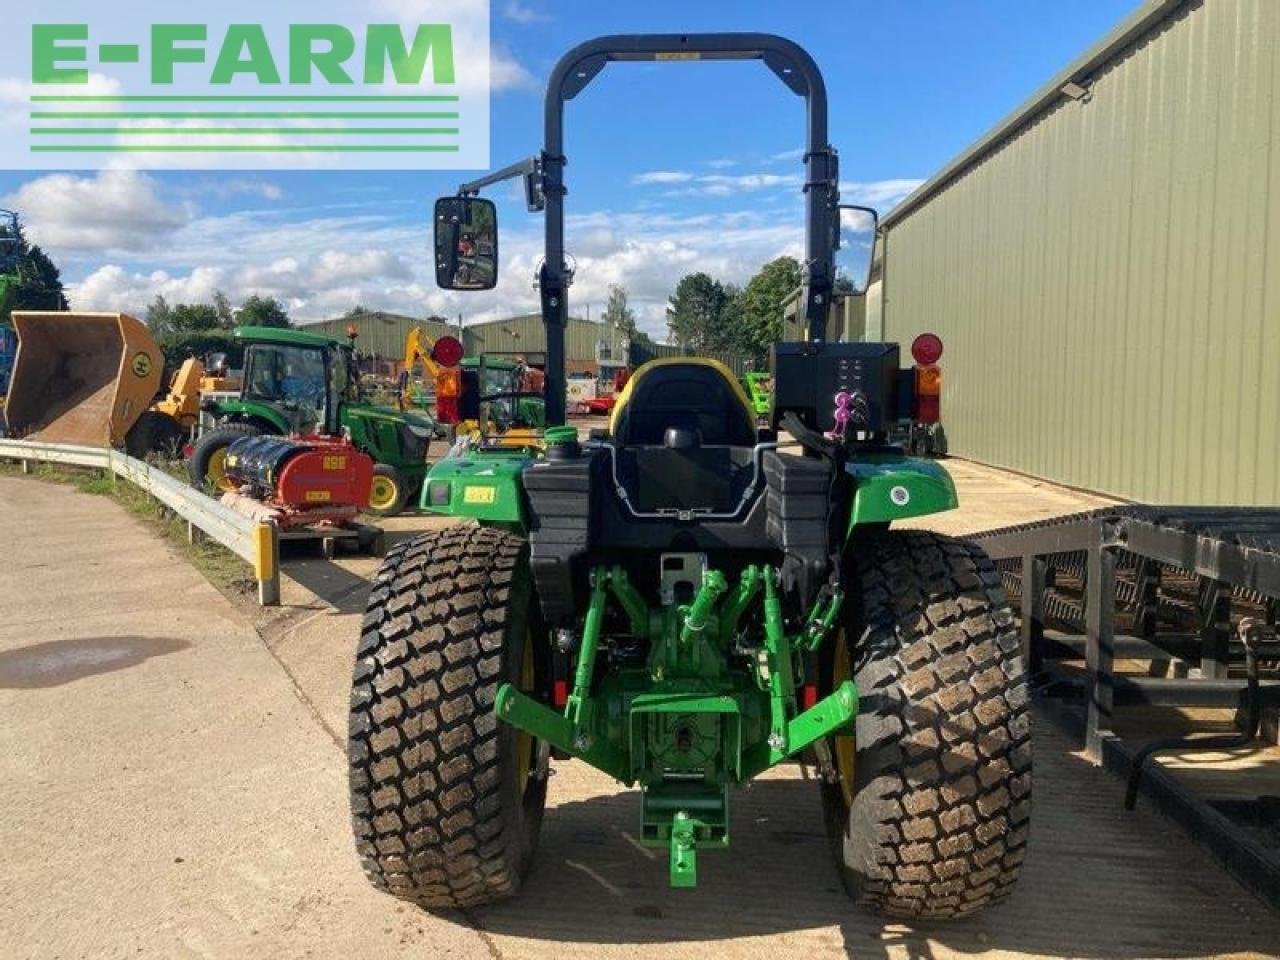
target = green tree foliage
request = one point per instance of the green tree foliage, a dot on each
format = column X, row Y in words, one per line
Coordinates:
column 226, row 315
column 762, row 300
column 193, row 317
column 262, row 312
column 616, row 312
column 176, row 347
column 34, row 281
column 700, row 315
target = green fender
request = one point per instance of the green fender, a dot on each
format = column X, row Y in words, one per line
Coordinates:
column 258, row 411
column 890, row 487
column 483, row 487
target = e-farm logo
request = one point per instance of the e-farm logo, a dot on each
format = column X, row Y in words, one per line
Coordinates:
column 327, row 92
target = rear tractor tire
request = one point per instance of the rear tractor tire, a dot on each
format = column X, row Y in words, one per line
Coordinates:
column 930, row 809
column 446, row 803
column 206, row 466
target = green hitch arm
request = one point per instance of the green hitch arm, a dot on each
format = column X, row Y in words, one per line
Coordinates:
column 525, row 713
column 587, row 653
column 781, row 680
column 632, row 603
column 699, row 612
column 748, row 587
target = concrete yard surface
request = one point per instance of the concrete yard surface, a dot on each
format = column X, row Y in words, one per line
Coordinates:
column 172, row 777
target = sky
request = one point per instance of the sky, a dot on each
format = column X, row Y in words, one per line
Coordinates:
column 672, row 167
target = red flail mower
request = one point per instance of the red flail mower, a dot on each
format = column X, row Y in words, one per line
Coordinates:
column 298, row 481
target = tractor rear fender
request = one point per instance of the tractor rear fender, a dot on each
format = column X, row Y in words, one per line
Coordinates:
column 485, row 488
column 263, row 415
column 891, row 487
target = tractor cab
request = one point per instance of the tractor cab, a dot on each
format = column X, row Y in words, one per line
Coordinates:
column 302, row 381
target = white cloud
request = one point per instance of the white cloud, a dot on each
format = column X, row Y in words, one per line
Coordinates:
column 386, row 265
column 715, row 184
column 15, row 94
column 722, row 163
column 719, row 184
column 662, row 176
column 110, row 210
column 226, row 188
column 881, row 194
column 506, row 72
column 517, row 12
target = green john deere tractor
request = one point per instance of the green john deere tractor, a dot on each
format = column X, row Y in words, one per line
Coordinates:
column 687, row 600
column 297, row 383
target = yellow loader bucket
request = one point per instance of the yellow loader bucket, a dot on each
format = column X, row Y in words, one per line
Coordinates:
column 81, row 378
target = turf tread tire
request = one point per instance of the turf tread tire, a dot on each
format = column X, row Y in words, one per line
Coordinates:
column 941, row 812
column 435, row 807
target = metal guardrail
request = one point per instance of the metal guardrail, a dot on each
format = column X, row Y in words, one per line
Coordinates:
column 255, row 542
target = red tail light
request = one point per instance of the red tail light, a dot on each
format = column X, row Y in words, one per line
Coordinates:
column 447, row 351
column 926, row 349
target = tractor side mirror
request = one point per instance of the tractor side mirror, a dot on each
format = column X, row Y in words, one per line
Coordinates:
column 856, row 245
column 466, row 241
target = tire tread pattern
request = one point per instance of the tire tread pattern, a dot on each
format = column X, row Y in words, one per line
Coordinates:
column 941, row 819
column 427, row 787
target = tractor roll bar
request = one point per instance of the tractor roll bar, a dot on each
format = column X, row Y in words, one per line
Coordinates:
column 793, row 66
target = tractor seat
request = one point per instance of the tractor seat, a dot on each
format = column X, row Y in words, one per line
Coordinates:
column 690, row 393
column 684, row 433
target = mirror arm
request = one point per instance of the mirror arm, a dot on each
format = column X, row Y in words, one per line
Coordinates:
column 530, row 168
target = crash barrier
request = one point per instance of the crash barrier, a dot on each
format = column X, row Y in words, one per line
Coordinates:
column 254, row 541
column 1193, row 593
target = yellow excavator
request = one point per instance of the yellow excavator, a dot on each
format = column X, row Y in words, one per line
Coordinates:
column 419, row 348
column 92, row 379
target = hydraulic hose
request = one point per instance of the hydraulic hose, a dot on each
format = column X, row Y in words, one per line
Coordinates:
column 1250, row 631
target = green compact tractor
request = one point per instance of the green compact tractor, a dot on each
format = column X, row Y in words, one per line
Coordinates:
column 300, row 383
column 688, row 600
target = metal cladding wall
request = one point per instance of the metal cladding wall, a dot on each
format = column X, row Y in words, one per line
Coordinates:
column 1105, row 272
column 383, row 335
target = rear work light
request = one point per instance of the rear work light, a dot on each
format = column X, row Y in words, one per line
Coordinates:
column 447, row 351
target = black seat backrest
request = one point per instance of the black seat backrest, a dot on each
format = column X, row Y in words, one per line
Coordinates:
column 690, row 396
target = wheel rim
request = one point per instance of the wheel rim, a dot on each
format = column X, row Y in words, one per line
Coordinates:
column 845, row 746
column 524, row 740
column 383, row 493
column 217, row 471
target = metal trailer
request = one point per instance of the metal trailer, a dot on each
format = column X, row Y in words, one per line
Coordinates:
column 1192, row 591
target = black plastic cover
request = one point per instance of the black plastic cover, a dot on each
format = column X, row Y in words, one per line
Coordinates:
column 807, row 377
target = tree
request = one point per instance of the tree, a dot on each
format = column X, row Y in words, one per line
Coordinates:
column 762, row 303
column 35, row 281
column 226, row 316
column 617, row 314
column 193, row 317
column 699, row 314
column 262, row 312
column 159, row 316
